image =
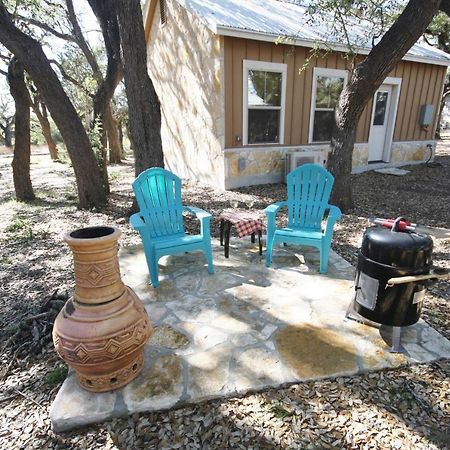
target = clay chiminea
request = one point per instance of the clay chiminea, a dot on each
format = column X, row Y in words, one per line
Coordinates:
column 102, row 330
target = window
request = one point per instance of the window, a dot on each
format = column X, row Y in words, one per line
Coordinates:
column 264, row 99
column 380, row 108
column 327, row 86
column 162, row 9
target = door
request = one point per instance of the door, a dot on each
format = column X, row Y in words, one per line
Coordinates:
column 380, row 123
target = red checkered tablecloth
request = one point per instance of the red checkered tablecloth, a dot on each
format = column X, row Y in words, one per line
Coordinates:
column 245, row 221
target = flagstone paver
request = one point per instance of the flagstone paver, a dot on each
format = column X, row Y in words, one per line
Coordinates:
column 244, row 328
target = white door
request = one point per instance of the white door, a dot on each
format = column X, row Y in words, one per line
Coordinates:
column 380, row 123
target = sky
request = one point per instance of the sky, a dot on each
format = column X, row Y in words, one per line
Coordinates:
column 88, row 23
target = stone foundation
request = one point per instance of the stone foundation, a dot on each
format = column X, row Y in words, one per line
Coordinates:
column 250, row 165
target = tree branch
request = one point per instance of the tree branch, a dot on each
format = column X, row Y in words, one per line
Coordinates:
column 82, row 43
column 48, row 28
column 67, row 77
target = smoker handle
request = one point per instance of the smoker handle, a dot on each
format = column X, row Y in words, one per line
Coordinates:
column 411, row 278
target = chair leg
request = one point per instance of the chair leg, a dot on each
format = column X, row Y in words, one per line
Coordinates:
column 269, row 248
column 152, row 265
column 209, row 258
column 324, row 254
column 221, row 231
column 153, row 269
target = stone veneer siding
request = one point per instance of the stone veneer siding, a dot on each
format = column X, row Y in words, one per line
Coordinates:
column 185, row 63
column 247, row 166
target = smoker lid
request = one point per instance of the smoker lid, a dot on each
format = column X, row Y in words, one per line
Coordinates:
column 397, row 249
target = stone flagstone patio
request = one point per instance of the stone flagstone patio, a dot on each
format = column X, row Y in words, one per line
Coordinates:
column 245, row 328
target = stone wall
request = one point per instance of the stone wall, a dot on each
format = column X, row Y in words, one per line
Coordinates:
column 185, row 62
column 247, row 166
column 416, row 151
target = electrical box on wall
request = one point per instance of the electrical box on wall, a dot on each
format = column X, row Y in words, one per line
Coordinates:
column 426, row 115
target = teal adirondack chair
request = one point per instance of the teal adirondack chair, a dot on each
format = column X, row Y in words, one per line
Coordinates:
column 309, row 187
column 160, row 220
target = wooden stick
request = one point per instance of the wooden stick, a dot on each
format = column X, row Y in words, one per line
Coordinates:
column 28, row 397
column 411, row 278
column 37, row 316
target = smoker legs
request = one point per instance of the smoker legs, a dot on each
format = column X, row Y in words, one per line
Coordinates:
column 396, row 337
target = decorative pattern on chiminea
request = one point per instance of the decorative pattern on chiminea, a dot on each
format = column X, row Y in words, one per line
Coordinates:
column 102, row 330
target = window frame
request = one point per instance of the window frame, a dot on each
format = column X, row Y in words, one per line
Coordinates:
column 265, row 67
column 322, row 72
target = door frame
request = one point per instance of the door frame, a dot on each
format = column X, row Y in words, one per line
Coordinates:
column 395, row 84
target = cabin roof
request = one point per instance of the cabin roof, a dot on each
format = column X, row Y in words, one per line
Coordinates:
column 268, row 20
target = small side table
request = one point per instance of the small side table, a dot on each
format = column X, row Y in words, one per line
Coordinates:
column 246, row 222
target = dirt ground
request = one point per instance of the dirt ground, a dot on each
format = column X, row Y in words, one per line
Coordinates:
column 404, row 408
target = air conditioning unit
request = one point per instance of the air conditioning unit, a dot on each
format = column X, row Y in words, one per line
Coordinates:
column 295, row 159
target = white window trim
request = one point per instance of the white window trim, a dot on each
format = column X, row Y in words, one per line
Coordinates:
column 320, row 71
column 267, row 67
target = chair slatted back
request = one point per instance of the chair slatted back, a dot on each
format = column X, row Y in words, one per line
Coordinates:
column 309, row 187
column 158, row 193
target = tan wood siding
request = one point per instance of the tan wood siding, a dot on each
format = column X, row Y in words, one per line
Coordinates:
column 289, row 59
column 228, row 86
column 421, row 84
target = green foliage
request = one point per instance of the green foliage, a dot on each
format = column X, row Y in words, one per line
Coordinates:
column 438, row 33
column 17, row 225
column 57, row 375
column 37, row 138
column 279, row 412
column 95, row 136
column 342, row 18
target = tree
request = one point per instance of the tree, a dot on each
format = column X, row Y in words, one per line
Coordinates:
column 438, row 33
column 40, row 110
column 365, row 78
column 6, row 118
column 21, row 159
column 143, row 103
column 91, row 191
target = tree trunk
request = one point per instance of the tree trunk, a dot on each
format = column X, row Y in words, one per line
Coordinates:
column 365, row 79
column 115, row 151
column 107, row 19
column 21, row 159
column 7, row 132
column 143, row 103
column 120, row 131
column 41, row 113
column 91, row 192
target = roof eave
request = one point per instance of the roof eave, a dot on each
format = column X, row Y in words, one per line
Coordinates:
column 268, row 37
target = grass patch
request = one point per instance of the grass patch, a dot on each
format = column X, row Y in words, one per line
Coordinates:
column 17, row 225
column 57, row 375
column 279, row 412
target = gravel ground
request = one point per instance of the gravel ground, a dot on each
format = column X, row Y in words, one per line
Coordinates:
column 404, row 408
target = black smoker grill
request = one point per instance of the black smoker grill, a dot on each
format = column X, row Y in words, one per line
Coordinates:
column 387, row 256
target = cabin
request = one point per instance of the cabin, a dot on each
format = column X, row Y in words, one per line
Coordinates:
column 245, row 99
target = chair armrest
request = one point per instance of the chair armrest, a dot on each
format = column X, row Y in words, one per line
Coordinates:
column 335, row 212
column 333, row 216
column 198, row 212
column 137, row 222
column 274, row 207
column 271, row 213
column 203, row 216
